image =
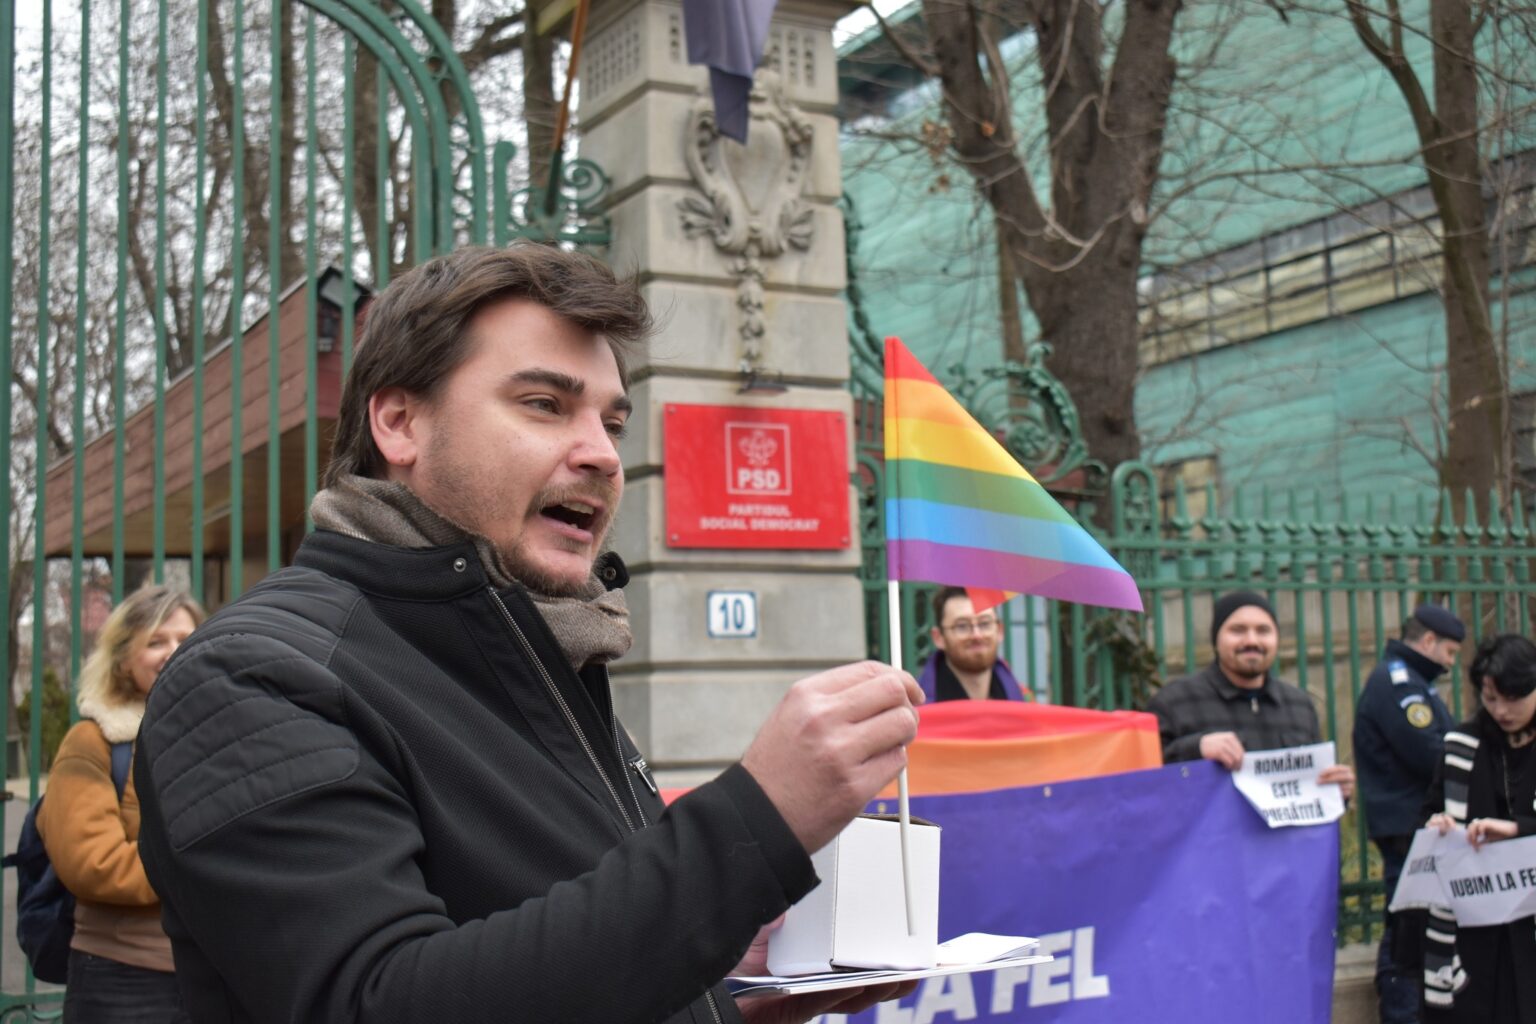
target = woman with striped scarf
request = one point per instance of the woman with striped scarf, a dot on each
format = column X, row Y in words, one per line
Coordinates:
column 1488, row 787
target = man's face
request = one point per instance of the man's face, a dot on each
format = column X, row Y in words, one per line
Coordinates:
column 520, row 443
column 1438, row 649
column 969, row 641
column 1246, row 643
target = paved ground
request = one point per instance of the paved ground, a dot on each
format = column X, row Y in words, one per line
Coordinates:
column 1354, row 985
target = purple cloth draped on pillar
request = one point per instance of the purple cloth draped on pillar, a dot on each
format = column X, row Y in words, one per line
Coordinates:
column 728, row 36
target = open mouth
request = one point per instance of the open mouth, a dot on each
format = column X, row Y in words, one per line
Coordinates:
column 579, row 514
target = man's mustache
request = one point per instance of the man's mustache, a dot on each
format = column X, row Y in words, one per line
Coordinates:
column 600, row 493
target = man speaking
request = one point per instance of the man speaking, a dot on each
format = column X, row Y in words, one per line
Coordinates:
column 387, row 784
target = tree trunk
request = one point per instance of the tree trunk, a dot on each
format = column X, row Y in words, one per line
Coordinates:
column 1094, row 349
column 1079, row 253
column 290, row 259
column 21, row 593
column 1009, row 314
column 539, row 106
column 1477, row 454
column 365, row 142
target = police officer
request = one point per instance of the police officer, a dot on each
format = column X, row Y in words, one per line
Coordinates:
column 1400, row 727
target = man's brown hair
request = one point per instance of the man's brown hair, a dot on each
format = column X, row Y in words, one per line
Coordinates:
column 942, row 598
column 416, row 333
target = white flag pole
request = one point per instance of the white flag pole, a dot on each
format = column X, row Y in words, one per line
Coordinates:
column 894, row 610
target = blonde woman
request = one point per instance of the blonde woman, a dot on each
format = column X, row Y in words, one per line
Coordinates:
column 120, row 967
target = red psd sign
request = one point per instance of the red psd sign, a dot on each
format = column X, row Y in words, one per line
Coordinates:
column 740, row 477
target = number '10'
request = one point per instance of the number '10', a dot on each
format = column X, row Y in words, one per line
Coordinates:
column 733, row 614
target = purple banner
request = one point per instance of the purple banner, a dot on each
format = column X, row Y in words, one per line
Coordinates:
column 1162, row 894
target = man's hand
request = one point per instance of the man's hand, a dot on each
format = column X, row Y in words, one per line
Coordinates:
column 832, row 743
column 1481, row 831
column 779, row 1009
column 1224, row 748
column 1343, row 774
column 755, row 962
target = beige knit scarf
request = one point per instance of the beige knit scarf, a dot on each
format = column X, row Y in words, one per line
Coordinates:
column 591, row 627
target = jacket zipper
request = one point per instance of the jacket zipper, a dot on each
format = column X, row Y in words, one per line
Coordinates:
column 565, row 709
column 618, row 748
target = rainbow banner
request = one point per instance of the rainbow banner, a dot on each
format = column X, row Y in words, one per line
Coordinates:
column 961, row 511
column 970, row 746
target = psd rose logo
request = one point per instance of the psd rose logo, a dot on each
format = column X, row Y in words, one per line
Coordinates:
column 757, row 459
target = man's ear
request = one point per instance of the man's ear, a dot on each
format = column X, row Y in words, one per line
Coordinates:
column 394, row 417
column 938, row 637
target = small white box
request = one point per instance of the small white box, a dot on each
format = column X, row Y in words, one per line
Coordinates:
column 857, row 917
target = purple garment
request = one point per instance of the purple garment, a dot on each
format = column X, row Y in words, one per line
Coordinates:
column 929, row 680
column 729, row 36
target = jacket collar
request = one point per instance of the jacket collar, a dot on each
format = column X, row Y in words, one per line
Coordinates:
column 118, row 720
column 1230, row 691
column 418, row 574
column 383, row 570
column 928, row 680
column 1428, row 670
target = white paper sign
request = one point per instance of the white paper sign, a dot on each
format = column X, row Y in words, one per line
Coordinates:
column 1419, row 884
column 1282, row 785
column 1493, row 884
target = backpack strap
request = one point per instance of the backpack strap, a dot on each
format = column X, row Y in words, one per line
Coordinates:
column 122, row 756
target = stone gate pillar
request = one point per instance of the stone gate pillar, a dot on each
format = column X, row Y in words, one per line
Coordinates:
column 740, row 251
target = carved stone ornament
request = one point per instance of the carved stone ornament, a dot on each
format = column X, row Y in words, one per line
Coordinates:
column 751, row 204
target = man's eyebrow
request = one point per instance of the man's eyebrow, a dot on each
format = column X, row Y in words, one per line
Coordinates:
column 549, row 378
column 564, row 382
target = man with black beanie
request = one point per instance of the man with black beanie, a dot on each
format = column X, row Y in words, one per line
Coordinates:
column 1236, row 704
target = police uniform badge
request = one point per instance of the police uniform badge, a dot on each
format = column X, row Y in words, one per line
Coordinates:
column 1419, row 715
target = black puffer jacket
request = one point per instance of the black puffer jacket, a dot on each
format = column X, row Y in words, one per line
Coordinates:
column 373, row 790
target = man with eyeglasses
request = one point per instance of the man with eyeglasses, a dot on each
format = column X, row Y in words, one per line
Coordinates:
column 965, row 665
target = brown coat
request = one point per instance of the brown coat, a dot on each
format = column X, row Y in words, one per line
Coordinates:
column 93, row 842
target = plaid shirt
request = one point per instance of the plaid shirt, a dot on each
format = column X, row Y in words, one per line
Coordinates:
column 1275, row 715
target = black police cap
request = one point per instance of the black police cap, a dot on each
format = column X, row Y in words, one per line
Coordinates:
column 1440, row 621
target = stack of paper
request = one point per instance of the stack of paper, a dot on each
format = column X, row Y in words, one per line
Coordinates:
column 965, row 954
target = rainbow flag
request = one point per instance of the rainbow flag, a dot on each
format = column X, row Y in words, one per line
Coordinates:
column 961, row 511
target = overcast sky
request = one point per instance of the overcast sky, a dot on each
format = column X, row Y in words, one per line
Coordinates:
column 29, row 19
column 861, row 19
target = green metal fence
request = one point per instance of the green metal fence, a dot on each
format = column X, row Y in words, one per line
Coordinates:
column 195, row 200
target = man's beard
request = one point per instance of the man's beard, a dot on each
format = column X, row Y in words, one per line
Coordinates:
column 520, row 567
column 1235, row 664
column 469, row 503
column 972, row 660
